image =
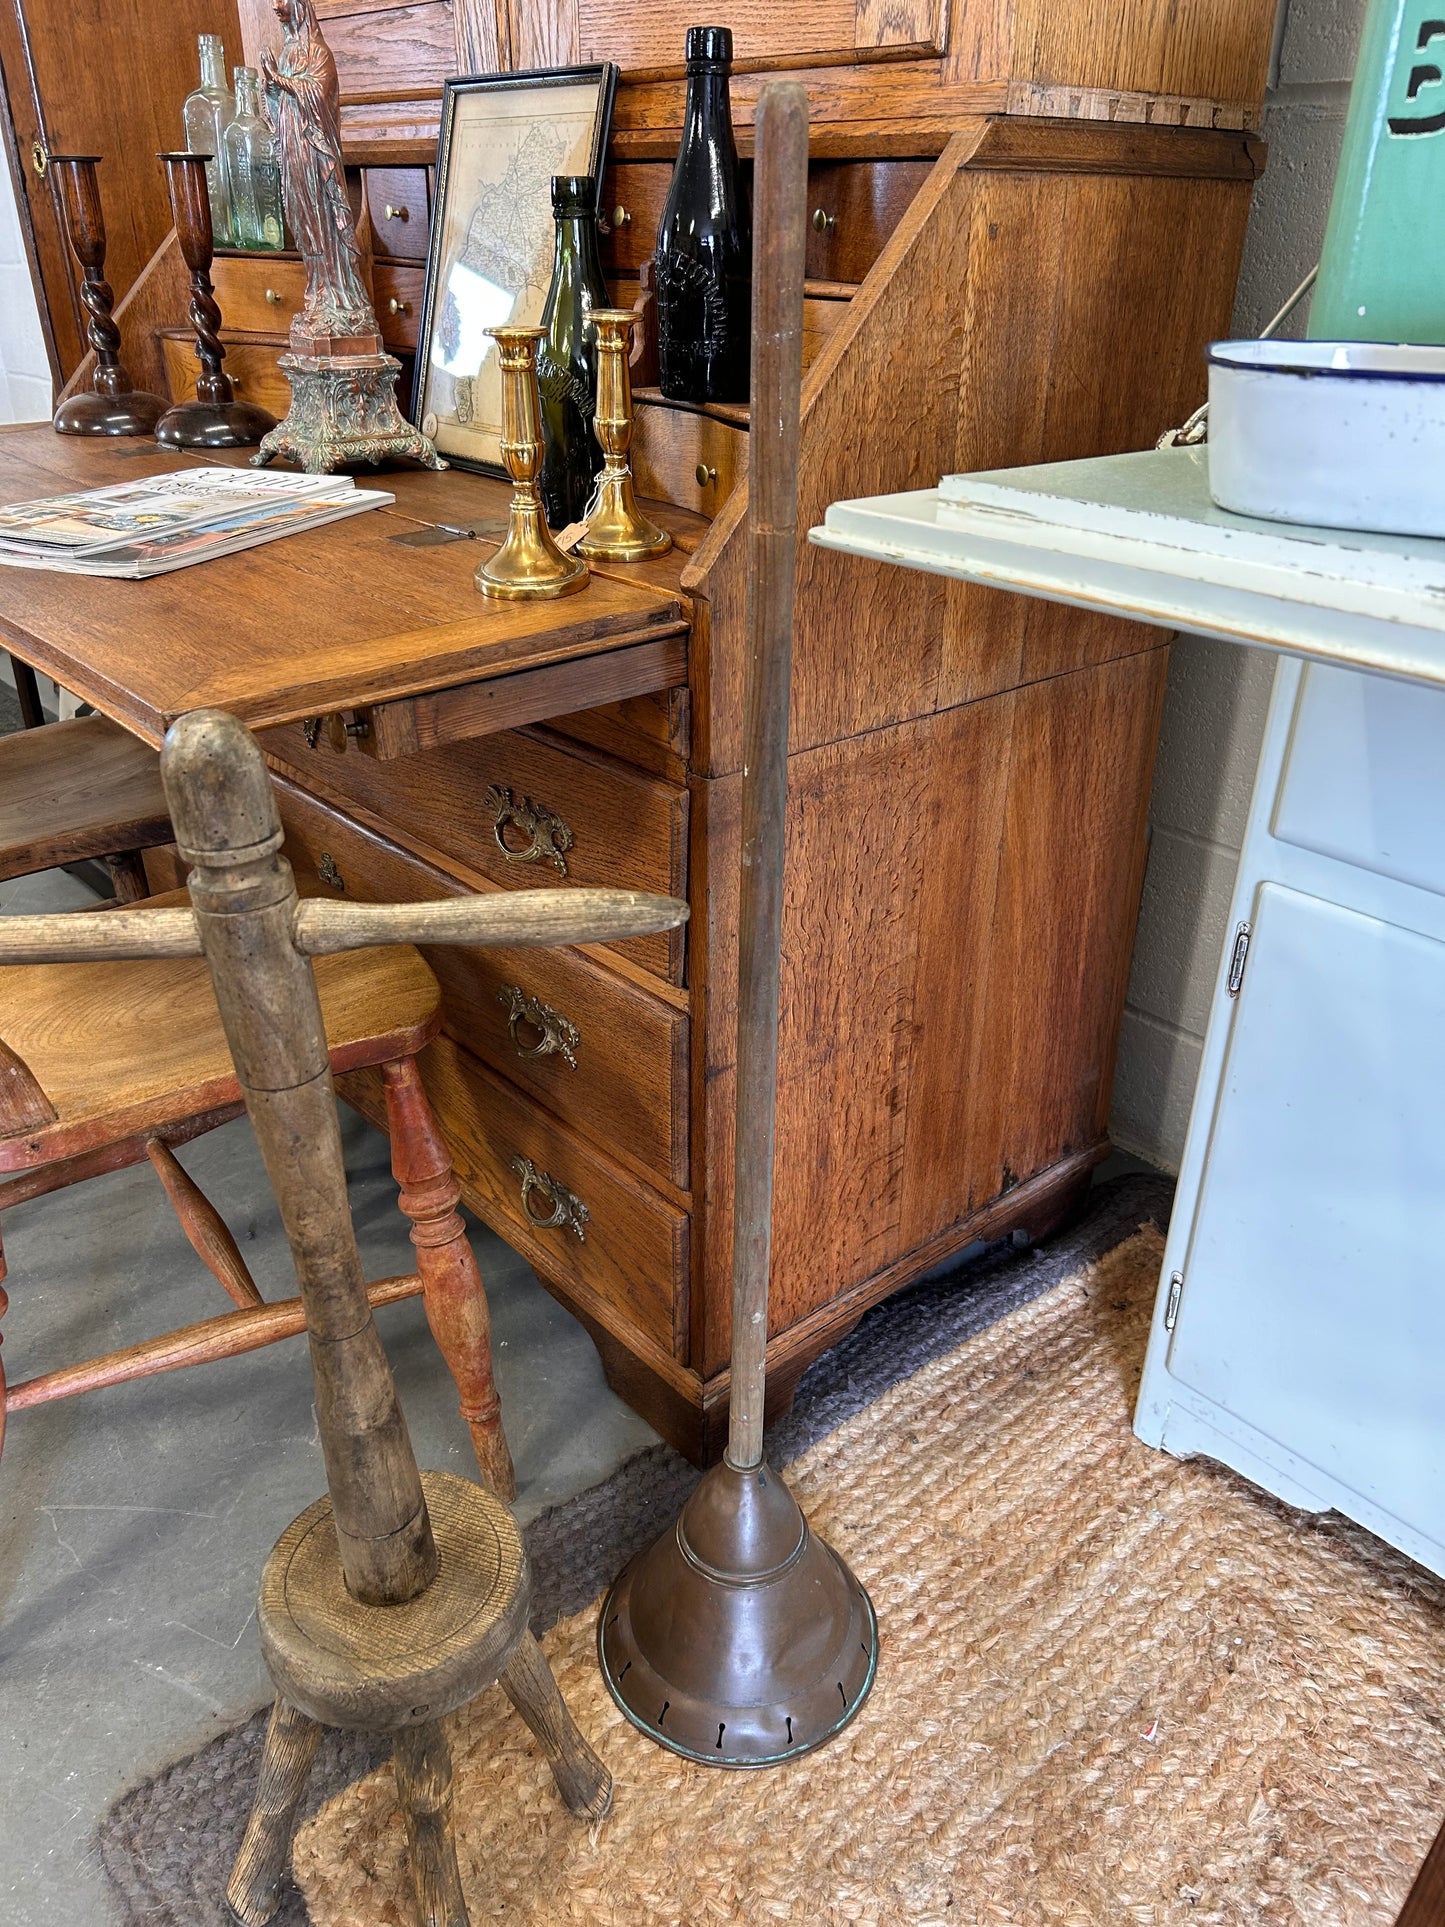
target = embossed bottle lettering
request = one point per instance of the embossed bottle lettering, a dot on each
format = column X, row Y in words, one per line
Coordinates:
column 704, row 241
column 567, row 354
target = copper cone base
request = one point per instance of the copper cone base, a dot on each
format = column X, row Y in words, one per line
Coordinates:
column 739, row 1638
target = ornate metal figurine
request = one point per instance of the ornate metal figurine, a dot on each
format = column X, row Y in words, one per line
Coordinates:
column 343, row 400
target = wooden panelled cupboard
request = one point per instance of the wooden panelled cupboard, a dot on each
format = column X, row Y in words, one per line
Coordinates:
column 1026, row 222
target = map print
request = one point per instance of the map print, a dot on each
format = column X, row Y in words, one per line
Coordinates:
column 496, row 262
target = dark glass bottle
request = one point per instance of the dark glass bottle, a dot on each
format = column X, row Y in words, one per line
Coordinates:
column 704, row 243
column 567, row 354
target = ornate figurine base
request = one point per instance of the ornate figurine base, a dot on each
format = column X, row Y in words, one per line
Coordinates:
column 133, row 412
column 343, row 409
column 214, row 424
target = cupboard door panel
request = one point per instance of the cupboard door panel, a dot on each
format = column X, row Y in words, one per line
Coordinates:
column 1309, row 1308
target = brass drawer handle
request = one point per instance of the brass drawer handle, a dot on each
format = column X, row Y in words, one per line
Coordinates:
column 548, row 837
column 823, row 221
column 394, row 306
column 327, row 871
column 621, row 216
column 556, row 1036
column 705, row 476
column 396, row 213
column 564, row 1208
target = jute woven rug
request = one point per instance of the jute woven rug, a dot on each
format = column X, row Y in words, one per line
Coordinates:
column 1113, row 1689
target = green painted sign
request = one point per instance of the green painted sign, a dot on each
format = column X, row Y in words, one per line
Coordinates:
column 1382, row 270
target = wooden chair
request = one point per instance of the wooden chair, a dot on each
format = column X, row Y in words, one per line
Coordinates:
column 104, row 1064
column 400, row 1595
column 80, row 790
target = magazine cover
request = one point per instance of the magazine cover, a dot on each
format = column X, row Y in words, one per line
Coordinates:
column 96, row 519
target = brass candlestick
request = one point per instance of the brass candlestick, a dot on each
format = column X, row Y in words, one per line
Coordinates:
column 111, row 406
column 617, row 530
column 529, row 563
column 215, row 419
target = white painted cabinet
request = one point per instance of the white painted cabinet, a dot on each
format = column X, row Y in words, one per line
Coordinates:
column 1299, row 1334
column 1301, row 1320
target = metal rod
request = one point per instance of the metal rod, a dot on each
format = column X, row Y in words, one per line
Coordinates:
column 779, row 243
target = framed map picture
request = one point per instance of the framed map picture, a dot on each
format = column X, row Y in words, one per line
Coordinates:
column 503, row 137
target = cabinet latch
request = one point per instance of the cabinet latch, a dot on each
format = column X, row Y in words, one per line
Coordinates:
column 1236, row 960
column 1171, row 1303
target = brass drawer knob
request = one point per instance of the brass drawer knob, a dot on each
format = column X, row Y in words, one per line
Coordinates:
column 538, row 1030
column 823, row 221
column 564, row 1210
column 273, row 297
column 395, row 306
column 705, row 476
column 621, row 216
column 327, row 871
column 396, row 213
column 545, row 837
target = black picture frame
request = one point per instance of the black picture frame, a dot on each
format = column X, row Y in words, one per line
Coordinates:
column 454, row 386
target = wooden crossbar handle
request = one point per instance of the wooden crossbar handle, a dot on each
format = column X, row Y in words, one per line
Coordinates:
column 513, row 917
column 509, row 917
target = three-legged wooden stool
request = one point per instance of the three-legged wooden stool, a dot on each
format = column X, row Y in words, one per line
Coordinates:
column 394, row 1600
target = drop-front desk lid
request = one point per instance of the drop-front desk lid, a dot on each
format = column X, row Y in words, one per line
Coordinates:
column 1138, row 536
column 342, row 618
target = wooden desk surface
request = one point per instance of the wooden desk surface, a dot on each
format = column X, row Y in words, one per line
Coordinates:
column 344, row 617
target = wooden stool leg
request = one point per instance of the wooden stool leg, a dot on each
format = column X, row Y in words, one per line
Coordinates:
column 255, row 1884
column 456, row 1302
column 582, row 1779
column 423, row 1758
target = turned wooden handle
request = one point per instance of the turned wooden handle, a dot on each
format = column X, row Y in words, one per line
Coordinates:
column 320, row 926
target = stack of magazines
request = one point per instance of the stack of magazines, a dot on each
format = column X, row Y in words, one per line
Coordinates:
column 138, row 529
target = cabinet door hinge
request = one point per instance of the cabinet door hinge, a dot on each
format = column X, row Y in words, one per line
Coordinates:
column 1236, row 960
column 1171, row 1304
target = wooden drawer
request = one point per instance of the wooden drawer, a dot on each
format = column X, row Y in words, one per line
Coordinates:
column 618, row 827
column 624, row 1083
column 397, row 294
column 396, row 199
column 691, row 459
column 630, row 1264
column 250, row 364
column 634, row 191
column 258, row 294
column 853, row 207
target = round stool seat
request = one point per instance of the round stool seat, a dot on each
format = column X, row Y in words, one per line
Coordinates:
column 388, row 1666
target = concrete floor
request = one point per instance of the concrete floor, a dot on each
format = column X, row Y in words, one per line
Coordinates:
column 134, row 1521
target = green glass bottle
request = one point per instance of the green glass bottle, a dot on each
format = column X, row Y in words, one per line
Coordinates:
column 1382, row 277
column 567, row 354
column 253, row 170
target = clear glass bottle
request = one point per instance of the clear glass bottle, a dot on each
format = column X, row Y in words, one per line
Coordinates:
column 253, row 171
column 567, row 354
column 207, row 113
column 704, row 241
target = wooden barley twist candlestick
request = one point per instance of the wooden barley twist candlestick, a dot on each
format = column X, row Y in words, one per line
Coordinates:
column 399, row 1596
column 617, row 530
column 529, row 563
column 216, row 418
column 111, row 406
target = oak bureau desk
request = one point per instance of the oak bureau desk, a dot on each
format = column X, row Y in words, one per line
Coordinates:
column 1025, row 222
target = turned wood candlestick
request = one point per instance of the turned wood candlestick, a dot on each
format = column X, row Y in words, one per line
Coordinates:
column 111, row 406
column 216, row 418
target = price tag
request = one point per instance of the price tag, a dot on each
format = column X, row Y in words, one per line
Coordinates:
column 570, row 536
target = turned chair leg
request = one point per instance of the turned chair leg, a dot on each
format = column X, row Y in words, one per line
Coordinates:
column 203, row 1224
column 456, row 1302
column 128, row 874
column 423, row 1760
column 582, row 1779
column 254, row 1890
